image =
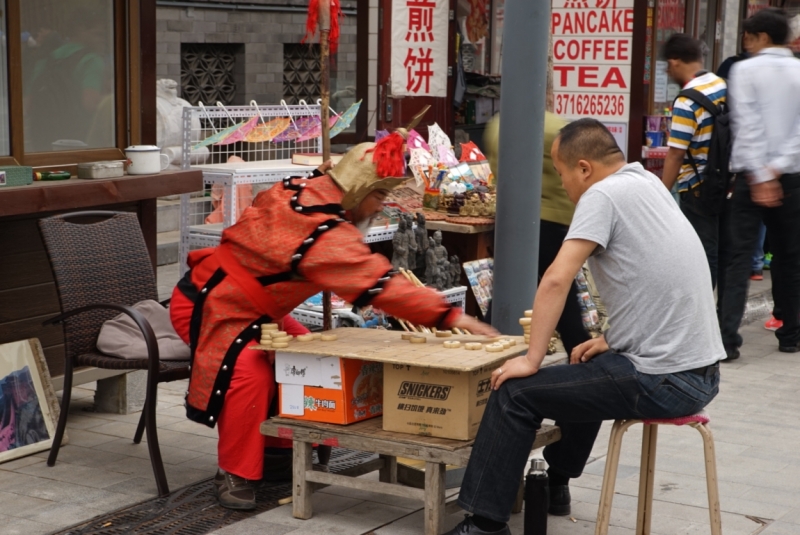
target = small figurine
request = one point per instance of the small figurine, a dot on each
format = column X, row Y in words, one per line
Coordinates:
column 455, row 270
column 421, row 234
column 400, row 246
column 440, row 254
column 430, row 263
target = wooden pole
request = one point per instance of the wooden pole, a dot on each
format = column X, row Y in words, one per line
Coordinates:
column 325, row 96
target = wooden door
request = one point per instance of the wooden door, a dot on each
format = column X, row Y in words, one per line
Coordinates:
column 395, row 112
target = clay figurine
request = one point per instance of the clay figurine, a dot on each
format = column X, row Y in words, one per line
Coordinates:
column 455, row 270
column 400, row 246
column 441, row 259
column 431, row 267
column 421, row 235
column 412, row 241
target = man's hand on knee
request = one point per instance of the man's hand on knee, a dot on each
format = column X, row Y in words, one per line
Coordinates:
column 587, row 350
column 516, row 367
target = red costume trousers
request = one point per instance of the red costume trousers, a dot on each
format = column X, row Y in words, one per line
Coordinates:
column 240, row 447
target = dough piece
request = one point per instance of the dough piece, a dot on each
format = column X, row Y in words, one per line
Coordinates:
column 524, row 321
column 494, row 348
column 473, row 346
column 452, row 344
column 266, row 342
column 305, row 338
column 317, row 336
column 528, row 313
column 418, row 340
column 328, row 337
column 281, row 339
column 269, row 327
column 443, row 334
column 277, row 334
column 511, row 342
column 280, row 345
column 505, row 343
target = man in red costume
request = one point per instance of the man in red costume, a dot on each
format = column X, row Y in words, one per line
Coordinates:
column 299, row 238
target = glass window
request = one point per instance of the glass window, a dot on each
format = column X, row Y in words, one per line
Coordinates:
column 5, row 148
column 68, row 74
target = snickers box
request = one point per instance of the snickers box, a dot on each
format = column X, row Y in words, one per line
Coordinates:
column 434, row 402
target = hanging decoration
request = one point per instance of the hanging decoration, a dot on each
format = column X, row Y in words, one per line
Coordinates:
column 313, row 20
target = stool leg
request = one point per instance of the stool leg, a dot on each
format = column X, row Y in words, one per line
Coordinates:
column 610, row 475
column 388, row 474
column 435, row 474
column 647, row 468
column 711, row 478
column 301, row 462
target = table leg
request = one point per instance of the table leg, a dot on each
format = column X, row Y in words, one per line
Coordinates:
column 301, row 462
column 388, row 473
column 434, row 497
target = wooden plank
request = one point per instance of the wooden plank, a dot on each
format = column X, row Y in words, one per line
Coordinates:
column 301, row 465
column 75, row 193
column 24, row 269
column 388, row 347
column 364, row 468
column 434, row 498
column 19, row 235
column 20, row 303
column 326, row 478
column 51, row 335
column 446, row 226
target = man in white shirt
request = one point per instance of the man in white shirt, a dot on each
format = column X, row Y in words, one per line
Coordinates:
column 766, row 155
column 658, row 359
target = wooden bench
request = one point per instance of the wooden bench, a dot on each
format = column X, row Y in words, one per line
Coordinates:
column 369, row 436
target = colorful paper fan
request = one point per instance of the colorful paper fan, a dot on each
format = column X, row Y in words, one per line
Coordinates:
column 219, row 136
column 240, row 133
column 416, row 141
column 300, row 126
column 316, row 131
column 268, row 130
column 471, row 153
column 345, row 119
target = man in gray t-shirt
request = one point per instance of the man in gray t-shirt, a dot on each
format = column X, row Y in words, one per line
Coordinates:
column 658, row 359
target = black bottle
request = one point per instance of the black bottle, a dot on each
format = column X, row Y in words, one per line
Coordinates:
column 537, row 498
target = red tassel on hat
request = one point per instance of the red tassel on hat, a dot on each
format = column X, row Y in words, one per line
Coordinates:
column 313, row 20
column 389, row 157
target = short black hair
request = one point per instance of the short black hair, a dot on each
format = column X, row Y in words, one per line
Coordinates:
column 683, row 47
column 587, row 139
column 772, row 21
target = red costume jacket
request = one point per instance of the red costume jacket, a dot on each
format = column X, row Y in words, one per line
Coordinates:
column 291, row 244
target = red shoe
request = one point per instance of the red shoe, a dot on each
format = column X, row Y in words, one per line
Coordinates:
column 757, row 276
column 772, row 324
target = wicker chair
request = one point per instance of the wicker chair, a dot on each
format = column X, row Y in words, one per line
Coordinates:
column 102, row 268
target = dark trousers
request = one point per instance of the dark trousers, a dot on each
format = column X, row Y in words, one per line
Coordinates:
column 709, row 229
column 783, row 232
column 570, row 324
column 578, row 397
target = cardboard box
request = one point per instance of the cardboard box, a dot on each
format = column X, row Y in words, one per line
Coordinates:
column 432, row 402
column 328, row 389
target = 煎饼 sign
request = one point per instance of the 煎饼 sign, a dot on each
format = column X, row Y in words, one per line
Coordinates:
column 419, row 48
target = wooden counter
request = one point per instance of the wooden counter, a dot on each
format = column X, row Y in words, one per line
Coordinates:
column 27, row 291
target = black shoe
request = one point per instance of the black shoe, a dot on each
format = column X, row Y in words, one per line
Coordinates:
column 559, row 500
column 732, row 354
column 467, row 527
column 789, row 349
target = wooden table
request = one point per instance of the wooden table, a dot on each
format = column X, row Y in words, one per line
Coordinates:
column 27, row 290
column 388, row 347
column 370, row 436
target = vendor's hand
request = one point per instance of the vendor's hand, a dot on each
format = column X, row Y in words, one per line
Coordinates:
column 517, row 367
column 474, row 326
column 325, row 167
column 767, row 194
column 587, row 350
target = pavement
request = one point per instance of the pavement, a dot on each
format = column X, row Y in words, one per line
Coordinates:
column 754, row 420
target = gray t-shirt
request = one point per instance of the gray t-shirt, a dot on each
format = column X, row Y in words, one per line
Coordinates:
column 651, row 272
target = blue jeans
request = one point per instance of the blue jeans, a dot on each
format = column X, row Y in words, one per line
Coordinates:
column 578, row 397
column 758, row 254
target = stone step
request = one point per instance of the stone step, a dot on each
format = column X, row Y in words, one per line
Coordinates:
column 167, row 247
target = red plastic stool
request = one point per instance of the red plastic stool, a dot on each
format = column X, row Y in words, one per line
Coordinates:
column 647, row 471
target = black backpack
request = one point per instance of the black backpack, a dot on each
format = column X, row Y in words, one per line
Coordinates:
column 709, row 196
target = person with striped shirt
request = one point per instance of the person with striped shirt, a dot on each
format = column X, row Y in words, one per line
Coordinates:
column 690, row 139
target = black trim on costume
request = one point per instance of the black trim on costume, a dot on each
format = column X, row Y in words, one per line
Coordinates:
column 369, row 294
column 440, row 324
column 267, row 280
column 187, row 288
column 197, row 310
column 309, row 242
column 330, row 209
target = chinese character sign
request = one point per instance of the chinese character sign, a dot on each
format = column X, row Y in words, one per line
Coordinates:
column 419, row 48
